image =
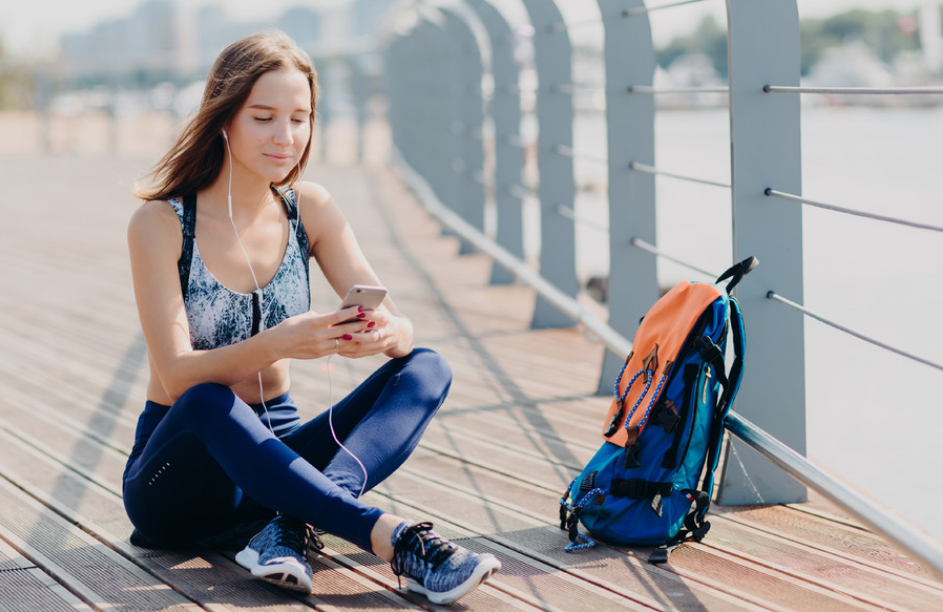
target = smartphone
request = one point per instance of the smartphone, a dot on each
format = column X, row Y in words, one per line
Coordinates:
column 363, row 295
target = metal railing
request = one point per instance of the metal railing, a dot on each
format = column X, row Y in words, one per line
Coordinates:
column 763, row 108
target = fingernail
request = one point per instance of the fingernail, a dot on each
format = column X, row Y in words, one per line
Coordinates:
column 371, row 324
column 361, row 315
column 348, row 337
column 360, row 308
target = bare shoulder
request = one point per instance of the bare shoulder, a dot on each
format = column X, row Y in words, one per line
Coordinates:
column 155, row 220
column 312, row 197
column 319, row 213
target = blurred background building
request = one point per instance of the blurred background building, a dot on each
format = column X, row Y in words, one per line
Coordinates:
column 156, row 54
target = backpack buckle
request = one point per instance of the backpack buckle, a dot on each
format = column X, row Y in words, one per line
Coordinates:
column 666, row 415
column 613, row 425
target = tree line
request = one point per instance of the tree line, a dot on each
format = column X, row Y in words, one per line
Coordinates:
column 887, row 32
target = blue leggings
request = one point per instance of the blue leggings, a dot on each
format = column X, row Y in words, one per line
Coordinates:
column 210, row 462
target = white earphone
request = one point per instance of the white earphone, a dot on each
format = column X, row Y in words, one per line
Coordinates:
column 330, row 385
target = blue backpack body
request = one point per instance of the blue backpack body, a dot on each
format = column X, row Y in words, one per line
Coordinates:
column 650, row 483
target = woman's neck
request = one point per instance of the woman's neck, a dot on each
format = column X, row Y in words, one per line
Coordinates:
column 249, row 194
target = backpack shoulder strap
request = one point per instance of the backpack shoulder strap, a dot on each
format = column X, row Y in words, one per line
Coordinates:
column 726, row 399
column 695, row 524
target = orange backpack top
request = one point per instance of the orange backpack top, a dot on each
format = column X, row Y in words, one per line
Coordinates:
column 660, row 336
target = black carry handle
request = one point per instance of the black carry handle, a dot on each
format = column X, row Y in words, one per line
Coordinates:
column 737, row 272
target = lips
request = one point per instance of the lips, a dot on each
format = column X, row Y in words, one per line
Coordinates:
column 279, row 158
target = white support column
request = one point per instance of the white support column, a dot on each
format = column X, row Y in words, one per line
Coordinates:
column 763, row 49
column 630, row 117
column 505, row 110
column 468, row 164
column 553, row 57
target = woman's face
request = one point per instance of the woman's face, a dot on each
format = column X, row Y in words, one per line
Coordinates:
column 270, row 132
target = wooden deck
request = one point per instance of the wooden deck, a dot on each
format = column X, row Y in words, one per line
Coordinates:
column 518, row 425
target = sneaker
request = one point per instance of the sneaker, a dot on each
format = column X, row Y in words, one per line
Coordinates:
column 278, row 554
column 435, row 567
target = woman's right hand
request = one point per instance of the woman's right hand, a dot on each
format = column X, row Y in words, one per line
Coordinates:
column 311, row 335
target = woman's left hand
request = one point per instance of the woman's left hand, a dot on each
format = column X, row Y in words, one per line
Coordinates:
column 381, row 332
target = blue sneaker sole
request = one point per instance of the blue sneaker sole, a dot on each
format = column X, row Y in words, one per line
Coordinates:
column 288, row 574
column 487, row 565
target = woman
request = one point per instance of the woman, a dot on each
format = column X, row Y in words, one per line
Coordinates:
column 219, row 256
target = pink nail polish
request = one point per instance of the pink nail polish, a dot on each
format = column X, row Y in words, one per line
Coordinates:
column 371, row 323
column 359, row 308
column 361, row 315
column 348, row 337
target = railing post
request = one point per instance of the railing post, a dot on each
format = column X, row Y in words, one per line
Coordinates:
column 468, row 163
column 630, row 118
column 323, row 108
column 400, row 85
column 553, row 58
column 440, row 87
column 508, row 155
column 391, row 51
column 359, row 90
column 763, row 48
column 432, row 105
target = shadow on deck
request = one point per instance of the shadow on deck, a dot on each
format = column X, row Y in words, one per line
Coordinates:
column 519, row 424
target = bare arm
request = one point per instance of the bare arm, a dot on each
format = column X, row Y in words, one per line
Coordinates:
column 343, row 263
column 154, row 242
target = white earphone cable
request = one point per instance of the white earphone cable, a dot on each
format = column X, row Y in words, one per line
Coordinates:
column 251, row 271
column 330, row 387
column 330, row 423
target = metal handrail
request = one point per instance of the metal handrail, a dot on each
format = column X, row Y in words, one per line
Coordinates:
column 650, row 248
column 569, row 213
column 772, row 295
column 559, row 299
column 677, row 90
column 522, row 192
column 848, row 211
column 639, row 167
column 649, row 9
column 855, row 90
column 569, row 152
column 907, row 538
column 923, row 548
column 574, row 88
column 561, row 27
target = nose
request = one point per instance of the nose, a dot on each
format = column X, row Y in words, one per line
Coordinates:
column 283, row 133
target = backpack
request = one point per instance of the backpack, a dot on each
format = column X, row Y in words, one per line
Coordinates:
column 664, row 425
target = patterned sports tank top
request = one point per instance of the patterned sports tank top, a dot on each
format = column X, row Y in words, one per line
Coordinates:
column 219, row 316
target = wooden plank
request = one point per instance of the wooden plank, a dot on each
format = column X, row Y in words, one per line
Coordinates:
column 702, row 572
column 95, row 573
column 22, row 432
column 339, row 588
column 833, row 571
column 856, row 544
column 520, row 422
column 607, row 580
column 216, row 582
column 27, row 588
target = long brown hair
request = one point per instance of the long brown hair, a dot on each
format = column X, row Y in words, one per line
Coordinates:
column 196, row 159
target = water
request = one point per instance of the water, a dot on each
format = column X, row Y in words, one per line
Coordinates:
column 874, row 419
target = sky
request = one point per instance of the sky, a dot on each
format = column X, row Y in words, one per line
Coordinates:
column 31, row 28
